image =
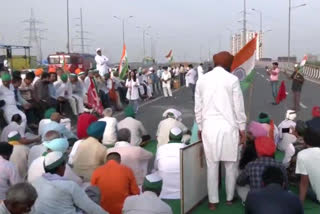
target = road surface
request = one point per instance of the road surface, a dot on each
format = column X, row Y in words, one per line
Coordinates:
column 150, row 113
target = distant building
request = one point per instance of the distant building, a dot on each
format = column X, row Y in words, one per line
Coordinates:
column 237, row 43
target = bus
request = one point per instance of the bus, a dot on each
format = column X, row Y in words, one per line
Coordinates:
column 72, row 61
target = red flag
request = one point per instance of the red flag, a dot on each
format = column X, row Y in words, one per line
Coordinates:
column 94, row 99
column 281, row 93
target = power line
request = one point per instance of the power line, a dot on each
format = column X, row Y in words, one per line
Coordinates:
column 80, row 34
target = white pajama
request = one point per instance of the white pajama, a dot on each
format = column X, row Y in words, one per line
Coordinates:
column 77, row 104
column 167, row 89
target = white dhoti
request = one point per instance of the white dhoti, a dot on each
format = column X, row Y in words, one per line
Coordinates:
column 77, row 104
column 221, row 144
column 10, row 110
column 167, row 89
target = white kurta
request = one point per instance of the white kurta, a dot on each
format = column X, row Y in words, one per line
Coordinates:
column 13, row 126
column 200, row 71
column 63, row 89
column 146, row 203
column 167, row 162
column 10, row 107
column 134, row 157
column 102, row 64
column 110, row 132
column 36, row 170
column 136, row 128
column 133, row 89
column 19, row 157
column 220, row 114
column 165, row 127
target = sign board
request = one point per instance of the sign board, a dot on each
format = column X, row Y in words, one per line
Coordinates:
column 193, row 176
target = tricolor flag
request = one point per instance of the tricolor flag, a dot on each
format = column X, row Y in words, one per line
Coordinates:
column 94, row 99
column 244, row 63
column 304, row 60
column 169, row 56
column 123, row 65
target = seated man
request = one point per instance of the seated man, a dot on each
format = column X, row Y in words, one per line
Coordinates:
column 42, row 93
column 116, row 182
column 84, row 121
column 134, row 157
column 307, row 162
column 90, row 153
column 137, row 130
column 76, row 99
column 20, row 199
column 110, row 132
column 55, row 125
column 38, row 150
column 63, row 92
column 57, row 195
column 15, row 125
column 250, row 177
column 27, row 93
column 285, row 127
column 19, row 154
column 148, row 202
column 270, row 125
column 7, row 93
column 9, row 175
column 172, row 119
column 36, row 168
column 167, row 162
column 277, row 199
column 104, row 86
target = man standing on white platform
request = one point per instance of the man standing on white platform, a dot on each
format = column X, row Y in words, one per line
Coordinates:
column 102, row 63
column 220, row 115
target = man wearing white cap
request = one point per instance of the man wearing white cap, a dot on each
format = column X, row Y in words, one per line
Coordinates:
column 172, row 119
column 58, row 195
column 20, row 153
column 149, row 201
column 285, row 127
column 36, row 168
column 102, row 62
column 167, row 162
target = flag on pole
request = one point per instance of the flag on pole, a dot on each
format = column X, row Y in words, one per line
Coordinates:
column 94, row 99
column 281, row 93
column 304, row 60
column 244, row 63
column 169, row 56
column 123, row 65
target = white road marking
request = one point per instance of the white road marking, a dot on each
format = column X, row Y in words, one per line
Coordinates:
column 303, row 106
column 262, row 75
column 267, row 79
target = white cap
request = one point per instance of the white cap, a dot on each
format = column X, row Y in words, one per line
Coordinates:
column 176, row 131
column 291, row 115
column 12, row 134
column 53, row 160
column 98, row 49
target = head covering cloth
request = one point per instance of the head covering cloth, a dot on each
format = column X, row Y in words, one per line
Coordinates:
column 96, row 129
column 223, row 59
column 265, row 146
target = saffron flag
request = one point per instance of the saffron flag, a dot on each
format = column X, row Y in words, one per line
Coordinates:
column 123, row 65
column 281, row 93
column 244, row 63
column 169, row 56
column 94, row 99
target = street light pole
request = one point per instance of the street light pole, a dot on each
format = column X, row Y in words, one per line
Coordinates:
column 244, row 42
column 261, row 31
column 289, row 33
column 123, row 27
column 68, row 29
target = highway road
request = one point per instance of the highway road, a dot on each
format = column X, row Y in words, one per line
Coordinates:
column 150, row 113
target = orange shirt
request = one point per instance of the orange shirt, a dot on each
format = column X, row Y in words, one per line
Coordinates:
column 116, row 182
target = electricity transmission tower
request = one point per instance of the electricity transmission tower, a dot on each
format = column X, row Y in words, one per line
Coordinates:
column 81, row 34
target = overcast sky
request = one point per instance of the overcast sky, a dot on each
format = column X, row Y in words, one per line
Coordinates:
column 192, row 28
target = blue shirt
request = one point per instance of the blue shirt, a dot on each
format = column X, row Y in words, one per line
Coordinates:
column 54, row 126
